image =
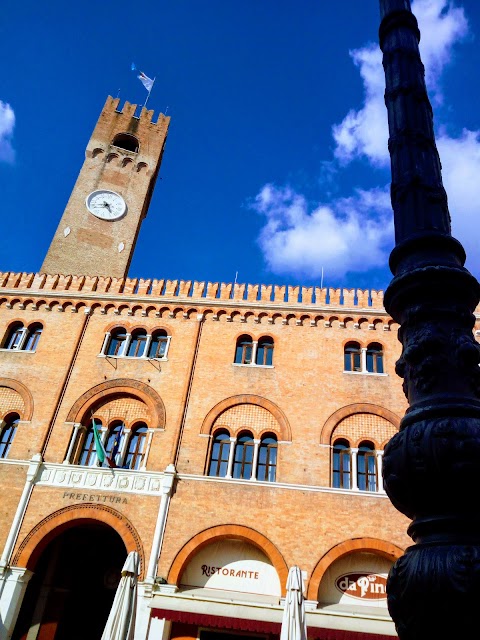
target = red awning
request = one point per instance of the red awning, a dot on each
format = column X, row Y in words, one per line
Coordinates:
column 205, row 620
column 259, row 626
column 340, row 634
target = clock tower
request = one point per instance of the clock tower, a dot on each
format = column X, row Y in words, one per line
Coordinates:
column 99, row 227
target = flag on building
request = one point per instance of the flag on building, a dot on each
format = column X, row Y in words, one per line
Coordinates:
column 144, row 79
column 99, row 448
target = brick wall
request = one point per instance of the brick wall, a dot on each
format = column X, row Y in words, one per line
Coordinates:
column 66, row 379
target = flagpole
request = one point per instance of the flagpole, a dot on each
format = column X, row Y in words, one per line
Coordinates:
column 148, row 96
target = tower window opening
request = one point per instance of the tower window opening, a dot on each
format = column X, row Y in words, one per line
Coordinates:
column 126, row 141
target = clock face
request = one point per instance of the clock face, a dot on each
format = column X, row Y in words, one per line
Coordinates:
column 106, row 205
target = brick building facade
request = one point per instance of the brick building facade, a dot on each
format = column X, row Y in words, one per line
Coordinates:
column 251, row 423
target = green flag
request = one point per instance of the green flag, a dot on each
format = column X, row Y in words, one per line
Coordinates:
column 99, row 448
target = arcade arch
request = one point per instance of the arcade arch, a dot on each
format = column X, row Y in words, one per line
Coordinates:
column 76, row 552
column 50, row 527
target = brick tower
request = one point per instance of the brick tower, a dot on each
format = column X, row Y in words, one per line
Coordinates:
column 100, row 224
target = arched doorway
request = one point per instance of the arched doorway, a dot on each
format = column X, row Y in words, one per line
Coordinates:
column 73, row 586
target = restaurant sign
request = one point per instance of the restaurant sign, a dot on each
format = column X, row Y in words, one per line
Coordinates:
column 364, row 586
column 232, row 565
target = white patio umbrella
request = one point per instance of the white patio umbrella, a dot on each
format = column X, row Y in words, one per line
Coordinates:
column 294, row 624
column 121, row 619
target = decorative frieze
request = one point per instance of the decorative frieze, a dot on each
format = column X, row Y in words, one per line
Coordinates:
column 100, row 479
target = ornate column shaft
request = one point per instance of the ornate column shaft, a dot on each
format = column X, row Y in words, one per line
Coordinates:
column 354, row 467
column 231, row 453
column 430, row 467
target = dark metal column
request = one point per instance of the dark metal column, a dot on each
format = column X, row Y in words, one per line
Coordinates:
column 432, row 466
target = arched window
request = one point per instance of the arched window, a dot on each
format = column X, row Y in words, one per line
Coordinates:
column 243, row 457
column 219, row 455
column 366, row 467
column 7, row 433
column 33, row 336
column 113, row 442
column 352, row 357
column 126, row 141
column 136, row 447
column 341, row 465
column 243, row 351
column 159, row 344
column 87, row 450
column 265, row 351
column 267, row 459
column 14, row 336
column 115, row 344
column 375, row 358
column 137, row 344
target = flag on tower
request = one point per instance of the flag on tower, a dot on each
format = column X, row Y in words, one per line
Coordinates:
column 144, row 79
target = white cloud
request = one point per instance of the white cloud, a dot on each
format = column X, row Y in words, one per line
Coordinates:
column 365, row 132
column 355, row 234
column 441, row 25
column 7, row 123
column 338, row 237
column 461, row 169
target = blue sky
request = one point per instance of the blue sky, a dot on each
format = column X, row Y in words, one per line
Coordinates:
column 276, row 163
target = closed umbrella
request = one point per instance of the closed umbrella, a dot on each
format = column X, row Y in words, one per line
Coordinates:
column 121, row 619
column 294, row 625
